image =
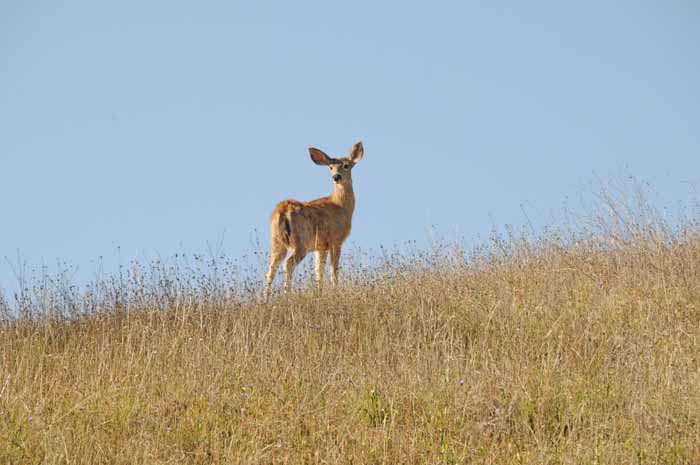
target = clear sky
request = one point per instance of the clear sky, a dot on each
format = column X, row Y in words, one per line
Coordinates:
column 156, row 127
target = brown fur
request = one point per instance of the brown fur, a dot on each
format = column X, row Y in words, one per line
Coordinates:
column 320, row 226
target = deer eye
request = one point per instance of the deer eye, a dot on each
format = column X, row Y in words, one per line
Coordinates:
column 346, row 166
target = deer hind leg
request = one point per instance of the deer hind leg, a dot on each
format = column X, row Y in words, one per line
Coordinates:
column 292, row 261
column 277, row 254
column 320, row 268
column 335, row 262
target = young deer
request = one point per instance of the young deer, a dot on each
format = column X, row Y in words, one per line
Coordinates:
column 318, row 226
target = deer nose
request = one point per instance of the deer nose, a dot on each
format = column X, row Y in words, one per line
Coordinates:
column 337, row 177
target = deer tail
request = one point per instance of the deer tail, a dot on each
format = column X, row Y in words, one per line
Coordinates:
column 284, row 227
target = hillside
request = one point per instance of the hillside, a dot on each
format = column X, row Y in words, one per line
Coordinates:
column 562, row 348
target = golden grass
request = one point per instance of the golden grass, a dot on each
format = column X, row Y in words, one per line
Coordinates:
column 579, row 350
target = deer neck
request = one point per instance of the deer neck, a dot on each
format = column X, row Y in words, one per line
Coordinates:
column 344, row 196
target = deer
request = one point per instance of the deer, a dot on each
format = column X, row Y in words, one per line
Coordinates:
column 320, row 225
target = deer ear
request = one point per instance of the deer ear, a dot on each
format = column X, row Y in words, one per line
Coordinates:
column 318, row 157
column 357, row 152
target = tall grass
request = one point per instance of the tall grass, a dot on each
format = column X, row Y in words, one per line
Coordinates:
column 580, row 344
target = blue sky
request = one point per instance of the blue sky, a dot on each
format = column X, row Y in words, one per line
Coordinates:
column 135, row 129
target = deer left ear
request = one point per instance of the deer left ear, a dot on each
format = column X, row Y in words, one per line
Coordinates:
column 319, row 157
column 357, row 152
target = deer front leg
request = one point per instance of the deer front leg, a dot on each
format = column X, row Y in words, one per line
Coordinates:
column 320, row 268
column 335, row 262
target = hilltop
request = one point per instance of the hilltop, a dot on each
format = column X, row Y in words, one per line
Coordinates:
column 566, row 347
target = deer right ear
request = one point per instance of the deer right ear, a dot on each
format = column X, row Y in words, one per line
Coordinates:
column 357, row 152
column 318, row 157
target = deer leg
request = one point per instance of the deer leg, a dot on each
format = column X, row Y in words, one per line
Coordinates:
column 277, row 254
column 335, row 262
column 320, row 268
column 292, row 261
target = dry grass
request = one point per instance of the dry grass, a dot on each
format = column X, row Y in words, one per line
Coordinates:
column 567, row 348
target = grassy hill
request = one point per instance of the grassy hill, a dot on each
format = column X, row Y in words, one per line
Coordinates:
column 569, row 347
